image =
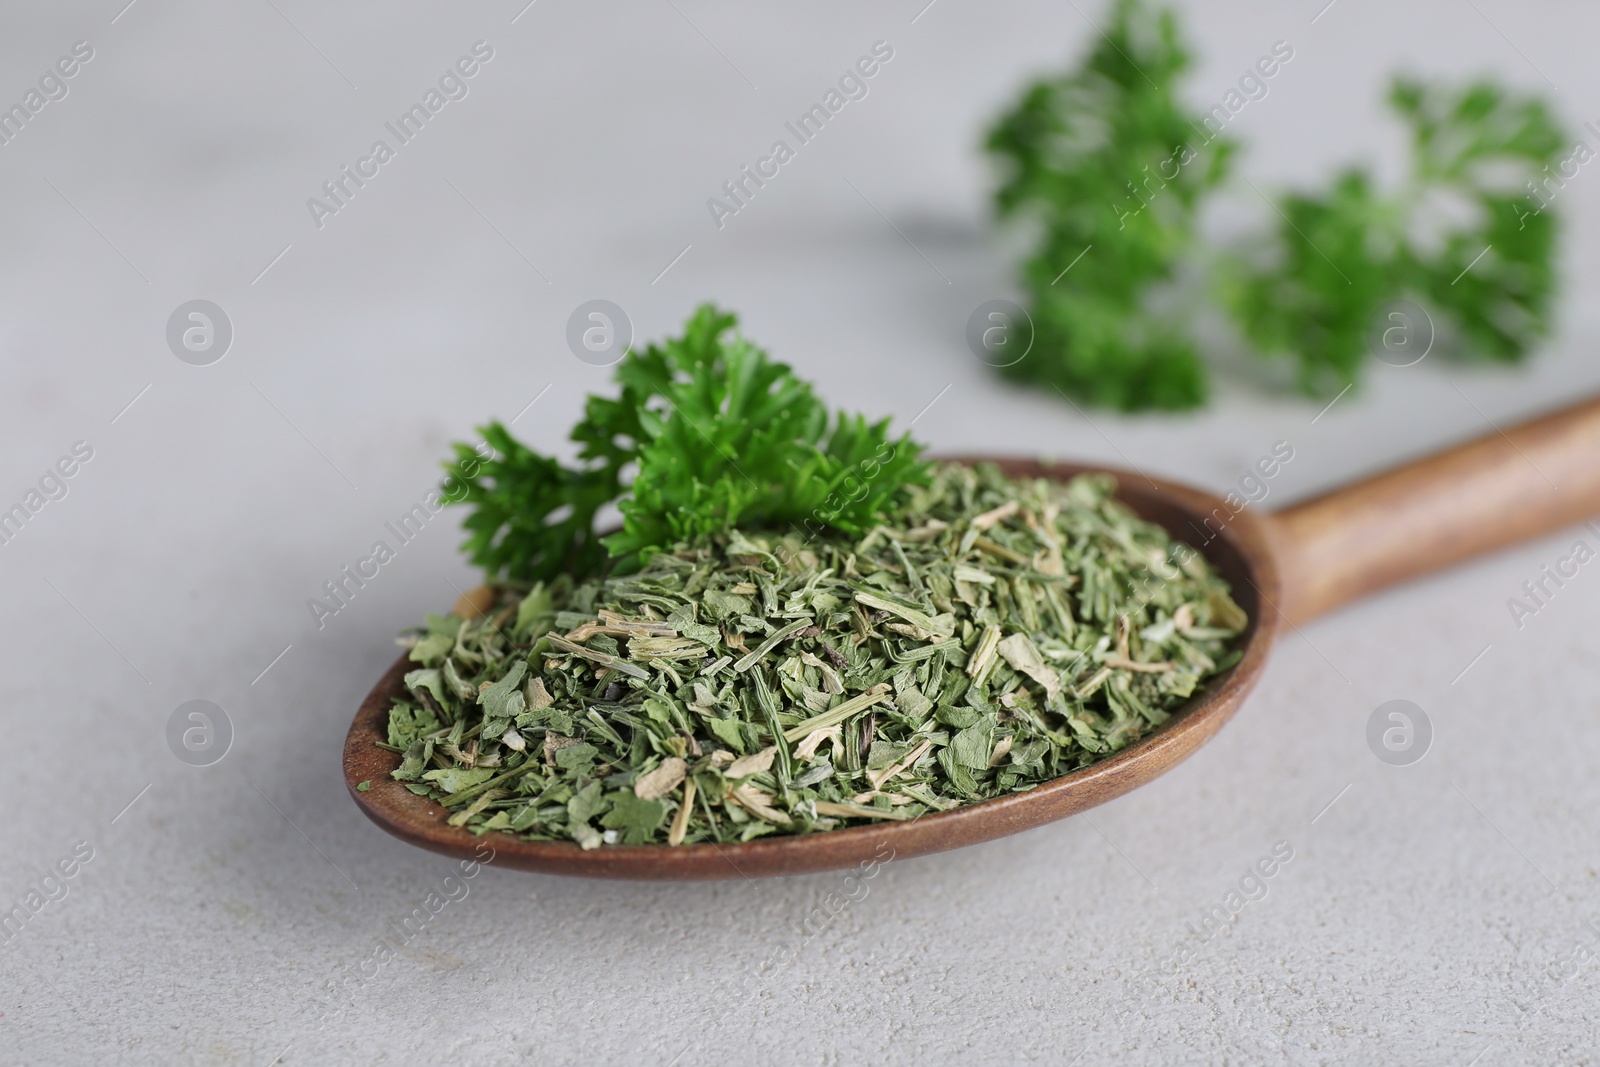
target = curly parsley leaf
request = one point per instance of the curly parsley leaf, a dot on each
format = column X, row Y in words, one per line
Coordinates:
column 531, row 517
column 1481, row 143
column 1315, row 294
column 714, row 433
column 1106, row 159
column 1457, row 237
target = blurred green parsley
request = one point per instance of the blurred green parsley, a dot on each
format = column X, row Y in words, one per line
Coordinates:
column 1100, row 158
column 1114, row 169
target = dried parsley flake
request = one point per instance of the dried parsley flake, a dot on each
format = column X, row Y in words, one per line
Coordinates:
column 988, row 636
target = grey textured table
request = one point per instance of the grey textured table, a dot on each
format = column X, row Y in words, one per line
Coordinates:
column 1436, row 913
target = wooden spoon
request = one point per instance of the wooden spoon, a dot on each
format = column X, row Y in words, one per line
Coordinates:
column 1286, row 567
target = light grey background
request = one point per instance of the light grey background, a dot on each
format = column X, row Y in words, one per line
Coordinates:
column 1430, row 915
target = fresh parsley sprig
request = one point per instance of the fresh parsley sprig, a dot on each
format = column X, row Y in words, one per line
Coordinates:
column 1106, row 158
column 707, row 433
column 1457, row 237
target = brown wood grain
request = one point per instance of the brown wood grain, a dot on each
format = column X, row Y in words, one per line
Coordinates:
column 1493, row 491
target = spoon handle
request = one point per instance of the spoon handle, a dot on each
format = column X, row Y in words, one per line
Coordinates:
column 1502, row 488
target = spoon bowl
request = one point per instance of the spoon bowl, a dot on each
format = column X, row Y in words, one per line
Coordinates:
column 1240, row 553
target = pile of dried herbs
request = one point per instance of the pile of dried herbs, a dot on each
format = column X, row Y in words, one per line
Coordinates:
column 983, row 636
